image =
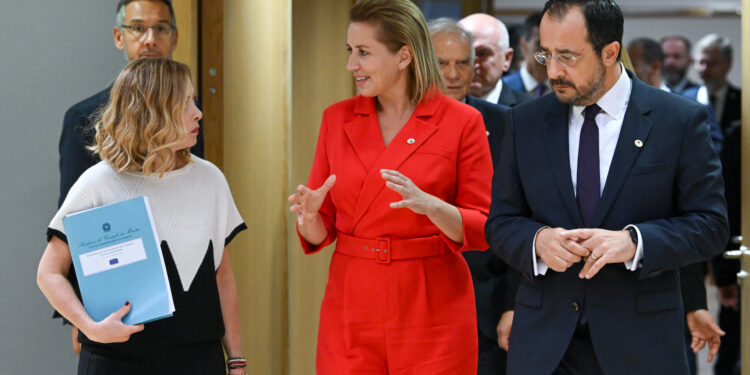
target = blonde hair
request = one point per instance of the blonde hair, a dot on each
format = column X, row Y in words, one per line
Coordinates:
column 401, row 23
column 142, row 121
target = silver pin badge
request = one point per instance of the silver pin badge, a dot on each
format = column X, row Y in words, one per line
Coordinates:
column 638, row 143
column 488, row 133
column 410, row 141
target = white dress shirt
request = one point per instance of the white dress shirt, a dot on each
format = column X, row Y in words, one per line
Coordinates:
column 614, row 103
column 494, row 95
column 530, row 83
column 721, row 99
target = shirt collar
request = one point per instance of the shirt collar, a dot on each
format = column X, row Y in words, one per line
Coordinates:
column 615, row 101
column 721, row 93
column 494, row 95
column 529, row 82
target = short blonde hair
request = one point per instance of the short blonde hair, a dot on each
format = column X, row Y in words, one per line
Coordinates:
column 142, row 121
column 401, row 23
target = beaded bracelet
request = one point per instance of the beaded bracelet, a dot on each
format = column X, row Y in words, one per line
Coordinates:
column 236, row 363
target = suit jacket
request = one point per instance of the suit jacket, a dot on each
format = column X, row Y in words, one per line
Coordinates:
column 689, row 85
column 442, row 149
column 78, row 132
column 725, row 270
column 494, row 282
column 732, row 108
column 717, row 136
column 511, row 97
column 670, row 188
column 514, row 81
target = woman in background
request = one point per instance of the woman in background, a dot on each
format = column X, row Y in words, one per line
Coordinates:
column 143, row 139
column 403, row 185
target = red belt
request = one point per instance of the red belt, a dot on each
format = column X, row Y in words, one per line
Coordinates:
column 384, row 249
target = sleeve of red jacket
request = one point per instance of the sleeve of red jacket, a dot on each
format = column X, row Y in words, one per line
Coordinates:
column 318, row 174
column 474, row 181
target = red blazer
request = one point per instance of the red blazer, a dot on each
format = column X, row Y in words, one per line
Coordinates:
column 442, row 148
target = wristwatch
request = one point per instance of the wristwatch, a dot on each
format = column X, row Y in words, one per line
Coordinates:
column 633, row 235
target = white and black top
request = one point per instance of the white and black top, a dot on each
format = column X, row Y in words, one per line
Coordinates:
column 195, row 217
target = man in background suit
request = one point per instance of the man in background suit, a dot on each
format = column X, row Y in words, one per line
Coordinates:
column 494, row 285
column 492, row 58
column 677, row 61
column 648, row 64
column 143, row 28
column 531, row 78
column 713, row 60
column 602, row 192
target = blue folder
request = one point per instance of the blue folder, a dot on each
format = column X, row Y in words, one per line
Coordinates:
column 117, row 258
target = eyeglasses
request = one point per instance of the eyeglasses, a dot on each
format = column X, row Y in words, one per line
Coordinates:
column 161, row 30
column 565, row 59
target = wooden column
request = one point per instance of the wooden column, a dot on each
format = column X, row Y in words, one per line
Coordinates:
column 257, row 101
column 319, row 79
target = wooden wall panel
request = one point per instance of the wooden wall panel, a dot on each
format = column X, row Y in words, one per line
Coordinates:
column 186, row 13
column 256, row 146
column 212, row 79
column 319, row 79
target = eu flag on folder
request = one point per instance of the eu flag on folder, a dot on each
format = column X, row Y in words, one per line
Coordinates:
column 117, row 258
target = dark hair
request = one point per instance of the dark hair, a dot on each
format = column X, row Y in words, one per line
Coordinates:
column 123, row 3
column 604, row 20
column 684, row 40
column 532, row 22
column 650, row 50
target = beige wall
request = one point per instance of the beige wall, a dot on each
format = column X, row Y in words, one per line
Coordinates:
column 256, row 147
column 319, row 79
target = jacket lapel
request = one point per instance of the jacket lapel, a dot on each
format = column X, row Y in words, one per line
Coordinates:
column 364, row 134
column 556, row 142
column 506, row 97
column 635, row 126
column 413, row 135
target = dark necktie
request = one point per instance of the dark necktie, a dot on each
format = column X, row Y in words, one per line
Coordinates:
column 540, row 89
column 587, row 183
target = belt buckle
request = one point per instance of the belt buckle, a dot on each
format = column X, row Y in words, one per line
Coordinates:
column 383, row 250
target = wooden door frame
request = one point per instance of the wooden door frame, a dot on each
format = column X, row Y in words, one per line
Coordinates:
column 211, row 77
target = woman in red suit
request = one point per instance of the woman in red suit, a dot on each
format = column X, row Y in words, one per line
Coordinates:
column 403, row 185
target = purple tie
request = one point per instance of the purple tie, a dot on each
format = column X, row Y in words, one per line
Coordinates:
column 540, row 89
column 587, row 184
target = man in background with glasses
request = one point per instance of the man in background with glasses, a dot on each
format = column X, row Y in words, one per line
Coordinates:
column 143, row 28
column 602, row 192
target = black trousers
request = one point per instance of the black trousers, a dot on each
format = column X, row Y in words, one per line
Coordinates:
column 492, row 359
column 580, row 358
column 205, row 358
column 729, row 351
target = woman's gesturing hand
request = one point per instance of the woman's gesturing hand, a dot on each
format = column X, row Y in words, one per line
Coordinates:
column 307, row 202
column 413, row 197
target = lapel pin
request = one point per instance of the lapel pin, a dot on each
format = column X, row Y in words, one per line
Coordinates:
column 410, row 141
column 638, row 143
column 488, row 133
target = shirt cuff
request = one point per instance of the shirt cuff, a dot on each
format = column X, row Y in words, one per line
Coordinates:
column 540, row 268
column 635, row 263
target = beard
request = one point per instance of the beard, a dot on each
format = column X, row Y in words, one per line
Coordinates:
column 673, row 76
column 584, row 94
